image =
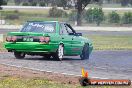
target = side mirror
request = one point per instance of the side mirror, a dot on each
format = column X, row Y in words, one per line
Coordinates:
column 71, row 33
column 78, row 34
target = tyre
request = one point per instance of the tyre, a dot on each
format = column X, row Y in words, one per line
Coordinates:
column 85, row 52
column 84, row 81
column 47, row 56
column 59, row 53
column 19, row 55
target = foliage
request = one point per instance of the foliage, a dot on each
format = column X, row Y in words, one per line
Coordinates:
column 73, row 15
column 1, row 2
column 42, row 4
column 18, row 2
column 54, row 12
column 25, row 4
column 4, row 2
column 80, row 6
column 114, row 17
column 94, row 15
column 33, row 3
column 61, row 3
column 127, row 18
column 124, row 2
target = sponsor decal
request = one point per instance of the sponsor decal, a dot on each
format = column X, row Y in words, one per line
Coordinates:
column 45, row 27
column 85, row 80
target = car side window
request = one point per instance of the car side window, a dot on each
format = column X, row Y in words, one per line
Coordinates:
column 63, row 29
column 69, row 30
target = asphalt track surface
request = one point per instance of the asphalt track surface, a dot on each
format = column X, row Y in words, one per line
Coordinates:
column 102, row 64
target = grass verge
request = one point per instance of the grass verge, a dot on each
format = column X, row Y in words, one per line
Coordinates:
column 101, row 42
column 16, row 82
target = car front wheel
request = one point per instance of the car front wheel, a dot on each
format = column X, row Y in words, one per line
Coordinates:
column 19, row 55
column 59, row 53
column 85, row 52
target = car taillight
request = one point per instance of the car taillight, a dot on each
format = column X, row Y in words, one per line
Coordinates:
column 11, row 38
column 14, row 38
column 8, row 38
column 44, row 39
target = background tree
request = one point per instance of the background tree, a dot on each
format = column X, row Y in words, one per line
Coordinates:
column 114, row 17
column 80, row 6
column 61, row 3
column 5, row 2
column 1, row 3
column 17, row 2
column 94, row 15
column 124, row 2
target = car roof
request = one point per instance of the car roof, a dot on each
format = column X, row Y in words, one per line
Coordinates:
column 42, row 21
column 49, row 21
column 63, row 23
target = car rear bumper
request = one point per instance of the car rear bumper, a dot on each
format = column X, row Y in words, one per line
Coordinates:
column 31, row 47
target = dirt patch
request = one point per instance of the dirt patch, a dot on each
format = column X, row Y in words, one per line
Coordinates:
column 26, row 73
column 15, row 72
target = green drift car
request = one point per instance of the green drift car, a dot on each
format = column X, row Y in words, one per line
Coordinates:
column 49, row 39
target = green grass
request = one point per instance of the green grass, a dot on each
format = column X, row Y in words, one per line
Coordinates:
column 101, row 42
column 2, row 49
column 16, row 82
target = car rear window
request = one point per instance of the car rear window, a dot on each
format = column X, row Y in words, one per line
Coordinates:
column 39, row 27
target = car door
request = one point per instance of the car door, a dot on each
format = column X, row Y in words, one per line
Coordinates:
column 66, row 39
column 76, row 43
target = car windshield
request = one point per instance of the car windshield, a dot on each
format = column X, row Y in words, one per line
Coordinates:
column 39, row 27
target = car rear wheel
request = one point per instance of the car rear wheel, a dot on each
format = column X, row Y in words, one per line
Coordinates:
column 59, row 53
column 85, row 52
column 19, row 55
column 48, row 56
